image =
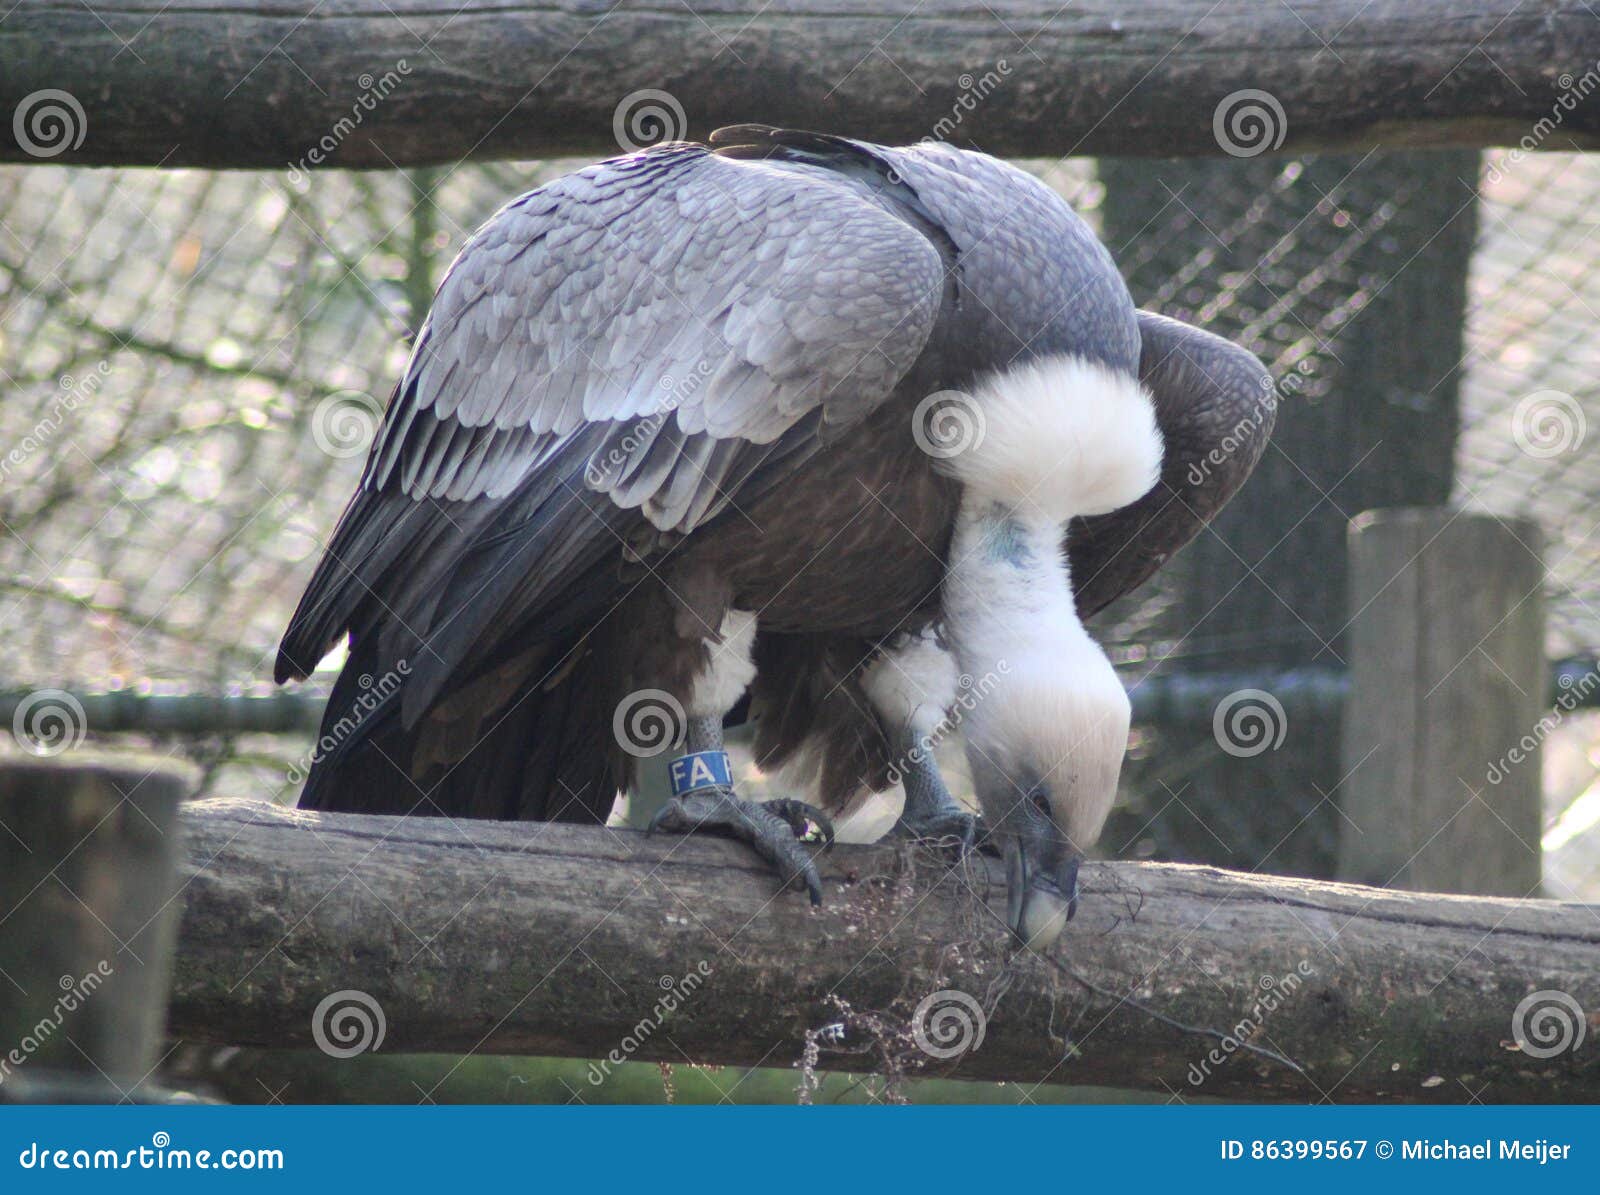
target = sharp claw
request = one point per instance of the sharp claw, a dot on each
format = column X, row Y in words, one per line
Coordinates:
column 957, row 824
column 773, row 829
column 801, row 817
column 983, row 841
column 794, row 865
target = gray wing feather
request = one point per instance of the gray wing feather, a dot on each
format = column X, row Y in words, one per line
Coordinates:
column 688, row 300
column 1007, row 224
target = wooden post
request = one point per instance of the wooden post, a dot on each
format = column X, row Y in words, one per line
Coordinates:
column 88, row 922
column 1448, row 703
column 1262, row 589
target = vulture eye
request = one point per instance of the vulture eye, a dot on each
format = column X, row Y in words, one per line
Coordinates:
column 1041, row 801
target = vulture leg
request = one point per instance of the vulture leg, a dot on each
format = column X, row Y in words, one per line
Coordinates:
column 912, row 686
column 702, row 782
column 930, row 813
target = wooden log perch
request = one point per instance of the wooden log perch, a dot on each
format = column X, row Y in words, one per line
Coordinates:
column 386, row 83
column 561, row 940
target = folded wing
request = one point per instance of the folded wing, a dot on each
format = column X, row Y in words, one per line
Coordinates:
column 616, row 356
column 1215, row 404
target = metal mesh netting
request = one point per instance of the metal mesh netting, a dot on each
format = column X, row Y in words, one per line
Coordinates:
column 1533, row 357
column 192, row 362
column 191, row 358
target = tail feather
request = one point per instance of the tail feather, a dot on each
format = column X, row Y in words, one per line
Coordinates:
column 509, row 745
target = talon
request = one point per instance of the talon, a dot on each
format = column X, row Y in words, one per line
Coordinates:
column 773, row 829
column 953, row 826
column 671, row 818
column 983, row 842
column 802, row 818
column 930, row 813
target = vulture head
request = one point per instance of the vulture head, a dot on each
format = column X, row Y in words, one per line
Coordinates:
column 1065, row 438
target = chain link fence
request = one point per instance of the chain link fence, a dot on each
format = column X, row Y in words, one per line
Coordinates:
column 192, row 364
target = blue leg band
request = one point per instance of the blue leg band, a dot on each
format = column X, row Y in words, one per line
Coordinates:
column 700, row 769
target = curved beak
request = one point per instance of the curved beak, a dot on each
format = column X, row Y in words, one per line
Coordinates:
column 1041, row 886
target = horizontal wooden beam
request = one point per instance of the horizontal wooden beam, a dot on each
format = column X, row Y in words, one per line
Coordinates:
column 562, row 940
column 293, row 84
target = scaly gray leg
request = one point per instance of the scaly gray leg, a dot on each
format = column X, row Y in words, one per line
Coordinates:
column 930, row 811
column 773, row 829
column 912, row 684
